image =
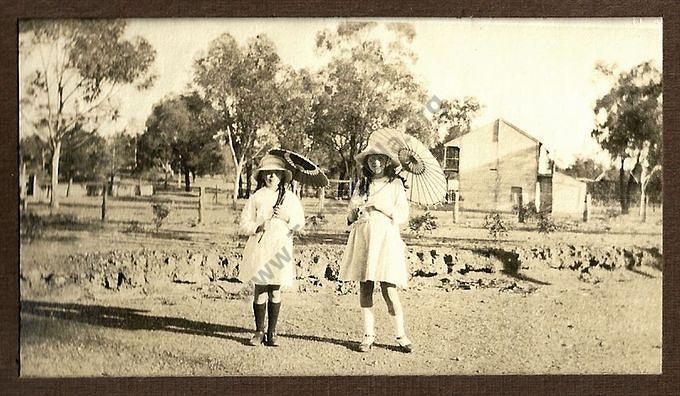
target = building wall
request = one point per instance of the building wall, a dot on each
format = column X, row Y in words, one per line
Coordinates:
column 489, row 169
column 518, row 165
column 568, row 194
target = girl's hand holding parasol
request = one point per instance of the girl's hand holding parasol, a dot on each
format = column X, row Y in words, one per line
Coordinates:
column 370, row 208
column 261, row 228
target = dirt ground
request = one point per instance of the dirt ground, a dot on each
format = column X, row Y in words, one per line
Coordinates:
column 603, row 328
column 484, row 314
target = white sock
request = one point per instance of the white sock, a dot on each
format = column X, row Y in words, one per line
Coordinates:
column 369, row 321
column 399, row 324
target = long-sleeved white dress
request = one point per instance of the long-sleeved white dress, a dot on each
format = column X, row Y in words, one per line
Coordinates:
column 269, row 261
column 375, row 250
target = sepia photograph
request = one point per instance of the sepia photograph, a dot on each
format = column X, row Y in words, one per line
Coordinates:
column 222, row 197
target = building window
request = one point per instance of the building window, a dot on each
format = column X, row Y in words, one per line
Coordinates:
column 452, row 158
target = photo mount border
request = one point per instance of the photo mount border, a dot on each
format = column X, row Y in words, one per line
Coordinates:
column 665, row 383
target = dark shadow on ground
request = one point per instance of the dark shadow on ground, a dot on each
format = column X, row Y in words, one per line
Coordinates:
column 72, row 224
column 134, row 319
column 130, row 319
column 164, row 234
column 173, row 235
column 637, row 271
column 351, row 345
column 354, row 346
column 510, row 262
column 657, row 264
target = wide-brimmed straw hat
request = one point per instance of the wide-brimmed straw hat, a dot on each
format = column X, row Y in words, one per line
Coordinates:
column 271, row 162
column 361, row 157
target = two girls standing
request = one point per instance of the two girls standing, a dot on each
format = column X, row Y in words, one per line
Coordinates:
column 375, row 251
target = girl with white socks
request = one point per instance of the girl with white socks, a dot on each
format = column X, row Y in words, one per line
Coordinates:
column 375, row 251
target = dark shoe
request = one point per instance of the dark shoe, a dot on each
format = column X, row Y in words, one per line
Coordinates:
column 257, row 338
column 273, row 313
column 404, row 344
column 272, row 340
column 366, row 343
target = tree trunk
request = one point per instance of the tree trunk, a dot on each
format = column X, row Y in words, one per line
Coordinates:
column 643, row 194
column 249, row 174
column 68, row 188
column 349, row 175
column 111, row 180
column 187, row 181
column 240, row 188
column 622, row 191
column 237, row 180
column 54, row 200
column 629, row 191
column 643, row 205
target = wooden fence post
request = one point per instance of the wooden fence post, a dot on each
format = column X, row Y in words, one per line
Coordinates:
column 104, row 194
column 586, row 208
column 455, row 206
column 322, row 200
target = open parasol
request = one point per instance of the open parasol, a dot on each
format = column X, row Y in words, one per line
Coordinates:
column 304, row 170
column 423, row 174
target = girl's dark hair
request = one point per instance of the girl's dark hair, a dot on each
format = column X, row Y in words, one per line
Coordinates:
column 281, row 188
column 367, row 175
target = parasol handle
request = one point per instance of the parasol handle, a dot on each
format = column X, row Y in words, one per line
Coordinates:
column 278, row 203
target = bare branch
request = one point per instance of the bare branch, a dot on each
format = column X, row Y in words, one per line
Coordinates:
column 75, row 88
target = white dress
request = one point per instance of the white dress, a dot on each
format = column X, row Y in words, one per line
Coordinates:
column 375, row 250
column 268, row 255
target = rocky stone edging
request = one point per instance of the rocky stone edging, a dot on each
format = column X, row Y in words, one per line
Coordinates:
column 319, row 266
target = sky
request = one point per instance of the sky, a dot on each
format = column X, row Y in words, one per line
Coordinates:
column 537, row 74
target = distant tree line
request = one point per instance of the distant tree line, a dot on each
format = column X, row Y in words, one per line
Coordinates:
column 242, row 101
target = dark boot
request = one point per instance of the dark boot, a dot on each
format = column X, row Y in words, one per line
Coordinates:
column 273, row 312
column 259, row 310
